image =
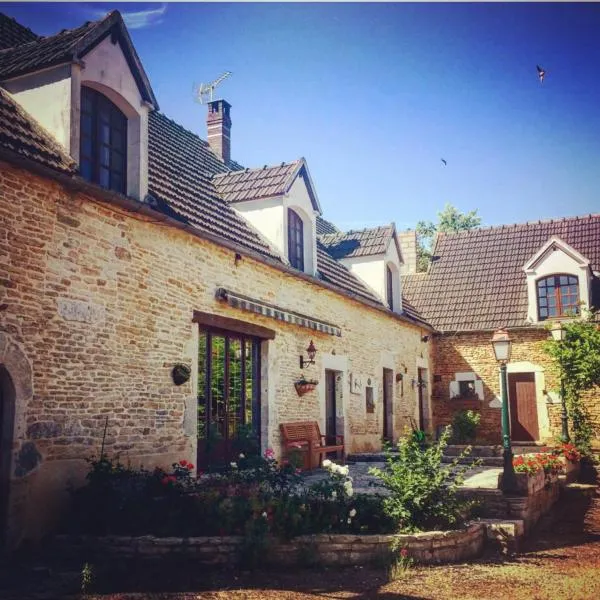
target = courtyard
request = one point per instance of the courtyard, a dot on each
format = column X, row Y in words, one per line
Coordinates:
column 559, row 560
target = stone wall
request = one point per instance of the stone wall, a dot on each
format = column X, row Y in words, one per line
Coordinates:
column 99, row 303
column 528, row 509
column 473, row 353
column 325, row 550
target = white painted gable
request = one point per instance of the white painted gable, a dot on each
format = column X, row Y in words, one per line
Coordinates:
column 553, row 258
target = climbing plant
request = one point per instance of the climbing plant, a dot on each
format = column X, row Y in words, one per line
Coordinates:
column 577, row 361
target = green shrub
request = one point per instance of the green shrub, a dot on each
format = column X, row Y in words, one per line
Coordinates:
column 464, row 426
column 422, row 489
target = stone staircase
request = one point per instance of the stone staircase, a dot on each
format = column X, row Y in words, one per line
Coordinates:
column 490, row 456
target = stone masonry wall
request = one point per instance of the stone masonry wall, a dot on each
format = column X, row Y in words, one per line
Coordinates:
column 324, row 550
column 473, row 352
column 100, row 302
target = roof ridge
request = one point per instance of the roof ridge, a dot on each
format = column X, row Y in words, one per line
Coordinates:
column 251, row 169
column 524, row 224
column 43, row 38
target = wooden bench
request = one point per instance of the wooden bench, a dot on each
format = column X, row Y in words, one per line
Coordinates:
column 306, row 437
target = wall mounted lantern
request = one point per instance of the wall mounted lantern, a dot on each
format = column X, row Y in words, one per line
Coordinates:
column 311, row 351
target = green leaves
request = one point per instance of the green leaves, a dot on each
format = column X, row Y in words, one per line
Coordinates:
column 422, row 489
column 577, row 362
column 449, row 220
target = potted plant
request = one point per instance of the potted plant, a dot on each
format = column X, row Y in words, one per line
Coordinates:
column 303, row 386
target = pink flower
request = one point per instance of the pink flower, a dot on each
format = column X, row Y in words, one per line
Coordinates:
column 269, row 453
column 404, row 552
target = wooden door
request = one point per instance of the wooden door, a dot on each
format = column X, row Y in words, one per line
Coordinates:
column 330, row 407
column 523, row 407
column 388, row 401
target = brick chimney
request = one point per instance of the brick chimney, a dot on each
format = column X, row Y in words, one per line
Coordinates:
column 218, row 124
column 408, row 247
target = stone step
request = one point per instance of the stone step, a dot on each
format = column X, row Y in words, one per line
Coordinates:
column 504, row 535
column 490, row 451
column 485, row 461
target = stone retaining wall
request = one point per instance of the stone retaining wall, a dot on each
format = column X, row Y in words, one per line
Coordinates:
column 529, row 508
column 326, row 550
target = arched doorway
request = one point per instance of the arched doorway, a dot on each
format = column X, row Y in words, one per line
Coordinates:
column 7, row 419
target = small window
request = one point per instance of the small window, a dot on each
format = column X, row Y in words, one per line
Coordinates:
column 295, row 240
column 103, row 141
column 466, row 389
column 389, row 282
column 558, row 296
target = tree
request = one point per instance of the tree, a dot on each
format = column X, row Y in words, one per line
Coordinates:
column 449, row 220
column 577, row 362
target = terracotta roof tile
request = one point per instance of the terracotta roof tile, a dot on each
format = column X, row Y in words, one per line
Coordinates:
column 366, row 242
column 253, row 184
column 324, row 226
column 21, row 134
column 180, row 169
column 14, row 34
column 476, row 280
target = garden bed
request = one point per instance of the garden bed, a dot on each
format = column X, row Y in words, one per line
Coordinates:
column 433, row 547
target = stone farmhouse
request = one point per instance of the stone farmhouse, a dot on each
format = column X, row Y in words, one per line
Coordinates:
column 160, row 301
column 518, row 277
column 134, row 254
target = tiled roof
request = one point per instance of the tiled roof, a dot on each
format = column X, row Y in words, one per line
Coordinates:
column 13, row 34
column 21, row 134
column 182, row 172
column 180, row 169
column 324, row 226
column 253, row 184
column 43, row 52
column 70, row 45
column 365, row 242
column 337, row 274
column 476, row 280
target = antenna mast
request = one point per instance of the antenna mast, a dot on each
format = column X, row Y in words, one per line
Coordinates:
column 203, row 93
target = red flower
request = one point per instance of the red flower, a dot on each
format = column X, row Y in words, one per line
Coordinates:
column 404, row 552
column 183, row 463
column 190, row 466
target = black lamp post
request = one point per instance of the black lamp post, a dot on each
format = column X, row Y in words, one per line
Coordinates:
column 502, row 345
column 558, row 335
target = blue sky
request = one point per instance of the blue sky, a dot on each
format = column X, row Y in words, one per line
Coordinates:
column 375, row 95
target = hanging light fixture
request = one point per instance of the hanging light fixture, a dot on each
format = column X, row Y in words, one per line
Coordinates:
column 311, row 351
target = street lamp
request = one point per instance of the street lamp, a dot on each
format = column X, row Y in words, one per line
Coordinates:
column 502, row 345
column 559, row 335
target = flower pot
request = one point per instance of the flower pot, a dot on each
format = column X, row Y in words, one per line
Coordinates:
column 303, row 387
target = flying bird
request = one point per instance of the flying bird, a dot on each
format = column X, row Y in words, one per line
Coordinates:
column 541, row 73
column 445, row 163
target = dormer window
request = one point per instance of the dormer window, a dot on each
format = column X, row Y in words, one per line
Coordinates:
column 103, row 146
column 389, row 283
column 295, row 240
column 558, row 296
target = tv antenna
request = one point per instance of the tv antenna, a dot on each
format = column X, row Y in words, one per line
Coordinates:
column 203, row 93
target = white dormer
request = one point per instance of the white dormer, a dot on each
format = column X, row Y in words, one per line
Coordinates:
column 280, row 202
column 95, row 104
column 374, row 256
column 558, row 281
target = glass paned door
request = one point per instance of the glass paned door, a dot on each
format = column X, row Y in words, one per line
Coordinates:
column 228, row 397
